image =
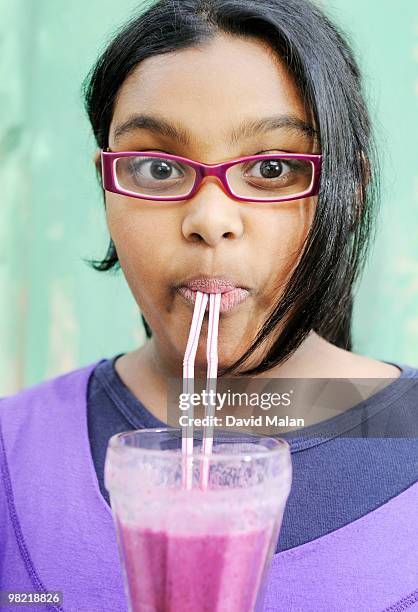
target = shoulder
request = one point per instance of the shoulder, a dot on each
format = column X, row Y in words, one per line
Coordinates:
column 32, row 409
column 348, row 364
column 366, row 367
column 54, row 387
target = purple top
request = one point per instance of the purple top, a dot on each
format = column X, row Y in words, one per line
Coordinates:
column 57, row 531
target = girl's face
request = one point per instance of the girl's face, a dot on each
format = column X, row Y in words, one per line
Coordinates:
column 206, row 93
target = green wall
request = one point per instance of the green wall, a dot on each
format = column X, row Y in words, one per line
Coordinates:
column 56, row 313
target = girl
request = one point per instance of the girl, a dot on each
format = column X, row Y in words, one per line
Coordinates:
column 211, row 82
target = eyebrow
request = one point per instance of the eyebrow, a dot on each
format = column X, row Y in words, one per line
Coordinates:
column 247, row 129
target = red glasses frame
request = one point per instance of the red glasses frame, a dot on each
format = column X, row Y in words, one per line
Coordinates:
column 110, row 183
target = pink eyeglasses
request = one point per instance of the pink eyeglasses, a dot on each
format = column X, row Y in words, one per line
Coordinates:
column 273, row 177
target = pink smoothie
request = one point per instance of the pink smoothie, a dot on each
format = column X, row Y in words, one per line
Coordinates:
column 196, row 572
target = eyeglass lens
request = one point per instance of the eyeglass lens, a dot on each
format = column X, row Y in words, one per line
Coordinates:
column 267, row 178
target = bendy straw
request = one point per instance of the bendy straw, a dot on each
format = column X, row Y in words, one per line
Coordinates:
column 188, row 386
column 212, row 372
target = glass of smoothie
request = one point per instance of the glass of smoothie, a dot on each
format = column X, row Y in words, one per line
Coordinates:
column 202, row 548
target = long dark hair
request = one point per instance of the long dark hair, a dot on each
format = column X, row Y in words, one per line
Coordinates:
column 318, row 295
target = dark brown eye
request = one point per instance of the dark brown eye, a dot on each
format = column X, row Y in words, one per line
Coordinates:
column 271, row 168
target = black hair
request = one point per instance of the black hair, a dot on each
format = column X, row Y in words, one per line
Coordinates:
column 318, row 295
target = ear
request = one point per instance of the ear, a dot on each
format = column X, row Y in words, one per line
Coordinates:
column 98, row 161
column 361, row 190
column 366, row 171
column 366, row 176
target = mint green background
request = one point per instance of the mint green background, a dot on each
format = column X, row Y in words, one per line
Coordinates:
column 56, row 313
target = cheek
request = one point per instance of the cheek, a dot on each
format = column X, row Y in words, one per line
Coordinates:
column 285, row 233
column 299, row 222
column 143, row 239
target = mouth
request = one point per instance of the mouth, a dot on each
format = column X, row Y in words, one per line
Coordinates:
column 232, row 294
column 229, row 299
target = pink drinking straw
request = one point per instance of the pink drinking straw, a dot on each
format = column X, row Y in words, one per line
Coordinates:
column 188, row 386
column 212, row 372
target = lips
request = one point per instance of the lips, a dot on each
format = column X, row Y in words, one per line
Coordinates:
column 211, row 284
column 229, row 299
column 232, row 295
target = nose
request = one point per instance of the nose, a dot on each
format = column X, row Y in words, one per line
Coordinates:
column 212, row 215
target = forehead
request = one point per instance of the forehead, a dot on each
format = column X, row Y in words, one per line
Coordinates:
column 211, row 88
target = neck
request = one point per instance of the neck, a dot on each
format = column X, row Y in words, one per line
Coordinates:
column 147, row 371
column 147, row 374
